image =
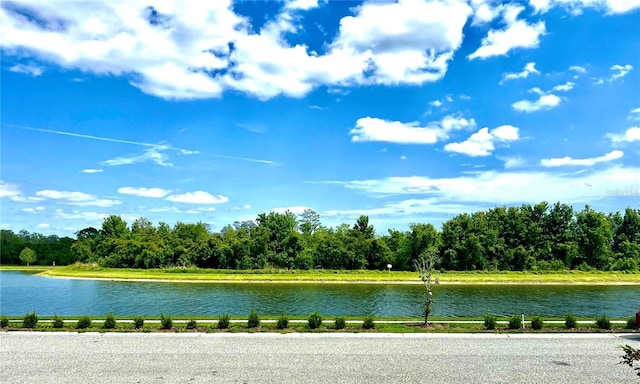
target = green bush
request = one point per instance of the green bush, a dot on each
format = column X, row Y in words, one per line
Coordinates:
column 314, row 320
column 490, row 321
column 536, row 322
column 631, row 323
column 4, row 322
column 603, row 322
column 223, row 321
column 515, row 322
column 283, row 322
column 191, row 324
column 570, row 321
column 30, row 320
column 254, row 319
column 367, row 322
column 138, row 322
column 83, row 322
column 165, row 321
column 109, row 321
column 57, row 321
column 339, row 323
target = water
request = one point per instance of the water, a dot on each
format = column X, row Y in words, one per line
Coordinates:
column 21, row 292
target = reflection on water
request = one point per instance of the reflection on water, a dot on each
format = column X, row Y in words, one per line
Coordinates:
column 20, row 293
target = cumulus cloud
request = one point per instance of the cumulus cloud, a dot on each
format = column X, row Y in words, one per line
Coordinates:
column 89, row 170
column 564, row 161
column 507, row 187
column 154, row 155
column 517, row 34
column 544, row 102
column 374, row 129
column 630, row 135
column 529, row 68
column 35, row 210
column 634, row 114
column 77, row 215
column 196, row 50
column 564, row 87
column 144, row 192
column 578, row 69
column 9, row 190
column 512, row 161
column 198, row 197
column 76, row 198
column 482, row 143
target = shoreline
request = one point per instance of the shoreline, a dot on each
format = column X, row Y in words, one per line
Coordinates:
column 394, row 282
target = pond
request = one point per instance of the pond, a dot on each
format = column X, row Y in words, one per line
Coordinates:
column 22, row 292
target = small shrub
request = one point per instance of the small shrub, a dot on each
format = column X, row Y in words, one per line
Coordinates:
column 490, row 321
column 631, row 323
column 367, row 322
column 283, row 322
column 536, row 323
column 109, row 321
column 254, row 319
column 314, row 320
column 165, row 321
column 603, row 322
column 339, row 323
column 4, row 322
column 570, row 321
column 191, row 324
column 30, row 320
column 515, row 322
column 138, row 322
column 57, row 321
column 83, row 322
column 223, row 321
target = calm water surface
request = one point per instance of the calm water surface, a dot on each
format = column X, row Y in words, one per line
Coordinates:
column 21, row 292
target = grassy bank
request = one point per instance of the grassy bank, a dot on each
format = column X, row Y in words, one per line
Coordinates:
column 325, row 276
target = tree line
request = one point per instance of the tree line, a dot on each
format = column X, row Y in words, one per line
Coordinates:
column 529, row 237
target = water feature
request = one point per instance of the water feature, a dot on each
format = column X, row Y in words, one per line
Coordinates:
column 22, row 292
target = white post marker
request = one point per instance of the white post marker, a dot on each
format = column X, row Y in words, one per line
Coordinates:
column 523, row 321
column 389, row 267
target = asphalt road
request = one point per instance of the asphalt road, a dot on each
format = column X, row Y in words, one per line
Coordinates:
column 30, row 357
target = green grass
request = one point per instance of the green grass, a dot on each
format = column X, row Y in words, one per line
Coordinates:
column 331, row 276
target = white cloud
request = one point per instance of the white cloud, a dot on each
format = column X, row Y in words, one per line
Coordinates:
column 563, row 161
column 518, row 34
column 621, row 71
column 191, row 211
column 297, row 210
column 564, row 87
column 301, row 4
column 91, row 170
column 482, row 143
column 509, row 187
column 77, row 215
column 403, row 157
column 30, row 69
column 578, row 69
column 154, row 155
column 435, row 103
column 76, row 198
column 634, row 114
column 529, row 68
column 35, row 210
column 144, row 192
column 9, row 190
column 197, row 49
column 577, row 6
column 374, row 129
column 544, row 102
column 44, row 225
column 198, row 197
column 630, row 135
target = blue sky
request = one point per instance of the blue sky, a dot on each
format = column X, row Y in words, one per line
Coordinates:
column 410, row 111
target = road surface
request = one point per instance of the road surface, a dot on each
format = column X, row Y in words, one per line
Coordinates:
column 31, row 357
